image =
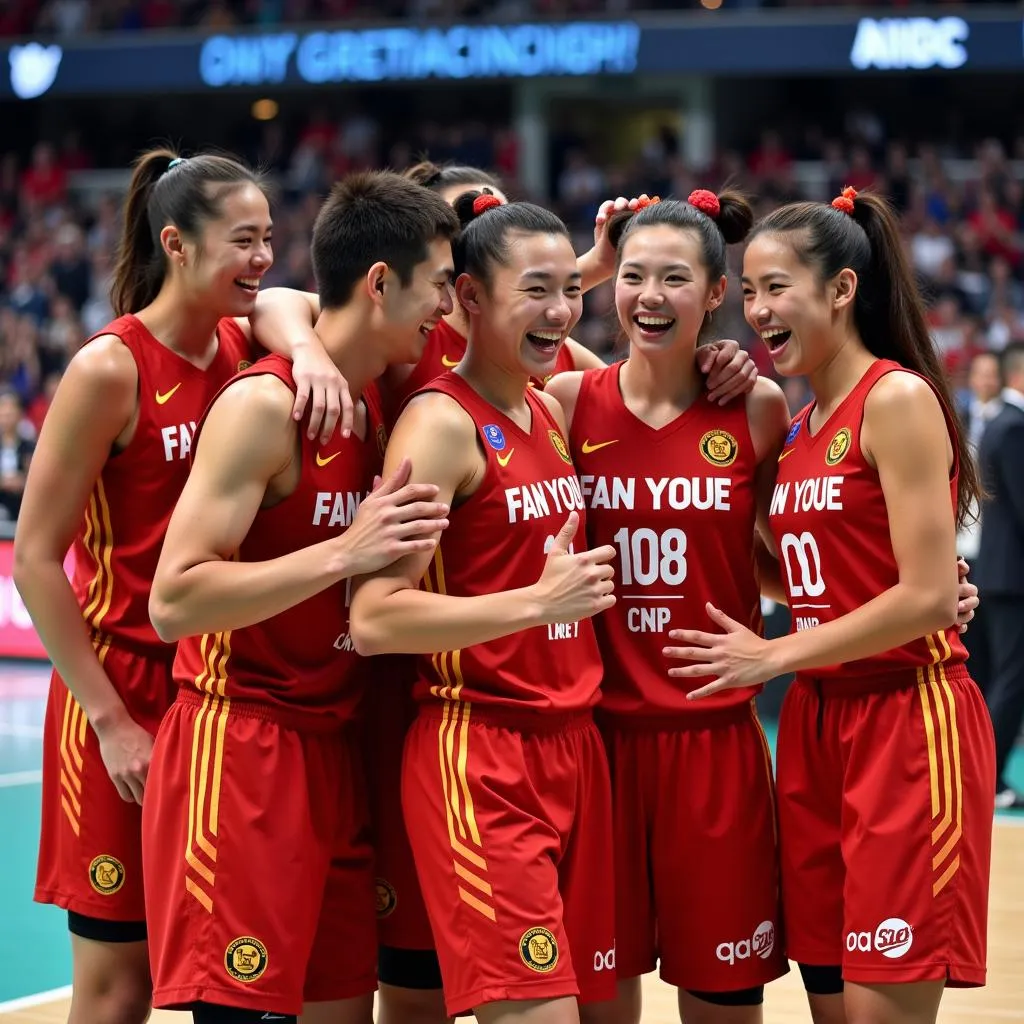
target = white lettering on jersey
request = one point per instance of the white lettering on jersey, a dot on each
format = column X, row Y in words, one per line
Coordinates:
column 609, row 493
column 821, row 493
column 544, row 498
column 682, row 492
column 339, row 507
column 178, row 440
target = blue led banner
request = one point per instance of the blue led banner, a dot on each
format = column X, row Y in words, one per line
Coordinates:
column 721, row 45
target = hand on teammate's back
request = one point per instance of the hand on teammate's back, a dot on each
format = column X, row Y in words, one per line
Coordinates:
column 575, row 586
column 395, row 520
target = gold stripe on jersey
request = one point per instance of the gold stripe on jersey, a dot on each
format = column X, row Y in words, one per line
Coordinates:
column 100, row 545
column 74, row 728
column 206, row 767
column 71, row 762
column 938, row 706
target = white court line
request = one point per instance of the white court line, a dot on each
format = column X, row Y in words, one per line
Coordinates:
column 35, row 1000
column 21, row 731
column 9, row 779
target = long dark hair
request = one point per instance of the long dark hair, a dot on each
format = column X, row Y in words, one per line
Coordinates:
column 168, row 189
column 861, row 233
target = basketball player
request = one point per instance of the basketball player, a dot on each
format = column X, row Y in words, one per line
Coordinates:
column 885, row 751
column 112, row 458
column 409, row 974
column 505, row 784
column 254, row 769
column 671, row 481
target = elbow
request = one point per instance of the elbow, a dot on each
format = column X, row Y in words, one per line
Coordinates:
column 367, row 637
column 166, row 618
column 939, row 611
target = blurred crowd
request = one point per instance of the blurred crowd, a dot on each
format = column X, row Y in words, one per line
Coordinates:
column 965, row 234
column 68, row 17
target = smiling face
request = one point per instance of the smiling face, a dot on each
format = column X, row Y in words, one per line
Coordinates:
column 524, row 314
column 663, row 291
column 227, row 262
column 795, row 314
column 412, row 311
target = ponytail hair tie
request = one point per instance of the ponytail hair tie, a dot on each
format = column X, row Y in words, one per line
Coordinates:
column 844, row 202
column 174, row 163
column 485, row 202
column 705, row 201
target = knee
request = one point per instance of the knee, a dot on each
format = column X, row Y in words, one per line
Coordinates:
column 410, row 1006
column 112, row 1001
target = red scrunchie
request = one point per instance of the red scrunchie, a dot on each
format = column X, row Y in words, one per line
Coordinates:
column 705, row 201
column 485, row 202
column 844, row 202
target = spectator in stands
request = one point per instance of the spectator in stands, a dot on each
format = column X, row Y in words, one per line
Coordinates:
column 999, row 568
column 15, row 454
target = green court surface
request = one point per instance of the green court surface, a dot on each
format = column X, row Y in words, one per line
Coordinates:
column 34, row 951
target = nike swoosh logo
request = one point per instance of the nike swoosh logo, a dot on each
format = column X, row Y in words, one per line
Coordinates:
column 503, row 457
column 167, row 395
column 321, row 461
column 788, row 451
column 445, row 361
column 588, row 447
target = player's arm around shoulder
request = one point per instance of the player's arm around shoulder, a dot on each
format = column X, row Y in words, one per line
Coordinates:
column 564, row 388
column 582, row 357
column 248, row 438
column 904, row 435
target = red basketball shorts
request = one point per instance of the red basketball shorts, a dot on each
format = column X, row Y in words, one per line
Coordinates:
column 696, row 862
column 90, row 846
column 402, row 921
column 258, row 861
column 885, row 797
column 510, row 822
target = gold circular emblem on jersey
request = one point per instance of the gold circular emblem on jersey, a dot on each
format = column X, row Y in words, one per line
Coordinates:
column 106, row 874
column 838, row 447
column 559, row 444
column 719, row 447
column 387, row 898
column 245, row 959
column 382, row 440
column 539, row 950
column 243, row 364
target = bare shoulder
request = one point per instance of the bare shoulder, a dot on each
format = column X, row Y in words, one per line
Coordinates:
column 899, row 391
column 565, row 387
column 767, row 417
column 434, row 418
column 766, row 398
column 105, row 362
column 557, row 410
column 260, row 400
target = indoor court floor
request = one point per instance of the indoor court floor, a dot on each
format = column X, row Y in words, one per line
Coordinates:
column 34, row 954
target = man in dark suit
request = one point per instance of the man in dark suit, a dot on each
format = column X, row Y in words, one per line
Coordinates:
column 1000, row 565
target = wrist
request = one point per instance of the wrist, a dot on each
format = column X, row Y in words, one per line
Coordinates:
column 529, row 608
column 108, row 718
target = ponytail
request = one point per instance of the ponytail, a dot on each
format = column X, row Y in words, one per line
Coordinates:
column 166, row 188
column 859, row 231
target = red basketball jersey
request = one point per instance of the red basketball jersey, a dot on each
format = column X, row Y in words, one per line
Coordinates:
column 831, row 526
column 498, row 540
column 300, row 661
column 118, row 544
column 445, row 349
column 678, row 505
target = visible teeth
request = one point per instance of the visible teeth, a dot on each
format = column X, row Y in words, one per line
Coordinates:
column 774, row 332
column 547, row 335
column 654, row 321
column 249, row 282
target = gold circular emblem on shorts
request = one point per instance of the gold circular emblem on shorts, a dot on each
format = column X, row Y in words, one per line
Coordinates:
column 106, row 874
column 539, row 950
column 559, row 444
column 243, row 365
column 387, row 898
column 719, row 447
column 245, row 959
column 838, row 447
